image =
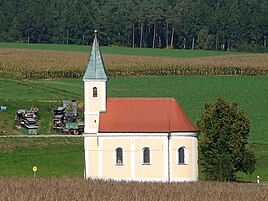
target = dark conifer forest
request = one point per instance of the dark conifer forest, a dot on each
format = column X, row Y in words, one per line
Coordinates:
column 240, row 25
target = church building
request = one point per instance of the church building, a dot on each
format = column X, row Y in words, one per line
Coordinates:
column 135, row 139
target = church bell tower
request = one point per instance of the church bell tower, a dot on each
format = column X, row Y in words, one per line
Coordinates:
column 95, row 89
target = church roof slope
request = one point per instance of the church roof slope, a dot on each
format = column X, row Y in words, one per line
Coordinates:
column 95, row 68
column 144, row 115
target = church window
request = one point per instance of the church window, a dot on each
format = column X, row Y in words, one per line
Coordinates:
column 146, row 155
column 95, row 92
column 119, row 156
column 181, row 155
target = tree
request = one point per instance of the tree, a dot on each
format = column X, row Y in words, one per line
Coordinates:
column 132, row 19
column 208, row 24
column 155, row 19
column 223, row 147
column 204, row 39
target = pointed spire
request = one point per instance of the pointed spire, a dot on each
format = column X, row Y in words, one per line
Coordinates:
column 95, row 68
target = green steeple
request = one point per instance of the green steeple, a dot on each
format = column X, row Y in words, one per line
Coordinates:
column 95, row 68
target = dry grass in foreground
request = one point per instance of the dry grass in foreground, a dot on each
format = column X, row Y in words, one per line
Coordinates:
column 41, row 64
column 80, row 189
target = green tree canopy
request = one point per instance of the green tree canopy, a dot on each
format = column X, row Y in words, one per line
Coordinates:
column 223, row 147
column 199, row 24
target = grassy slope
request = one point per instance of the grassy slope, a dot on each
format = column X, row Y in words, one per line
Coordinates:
column 190, row 91
column 193, row 92
column 122, row 50
column 52, row 156
column 24, row 94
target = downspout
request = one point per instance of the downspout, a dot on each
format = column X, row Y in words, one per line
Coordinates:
column 85, row 165
column 169, row 137
column 85, row 174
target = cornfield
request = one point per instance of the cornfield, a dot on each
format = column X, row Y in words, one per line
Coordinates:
column 44, row 64
column 79, row 189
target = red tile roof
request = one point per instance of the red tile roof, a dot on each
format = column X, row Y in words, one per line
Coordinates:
column 144, row 115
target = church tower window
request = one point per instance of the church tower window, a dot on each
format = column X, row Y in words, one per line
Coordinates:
column 95, row 92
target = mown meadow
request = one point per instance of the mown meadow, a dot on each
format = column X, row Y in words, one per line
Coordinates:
column 54, row 157
column 23, row 189
column 192, row 92
column 177, row 53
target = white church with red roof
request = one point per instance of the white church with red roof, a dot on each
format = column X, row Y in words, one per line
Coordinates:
column 135, row 139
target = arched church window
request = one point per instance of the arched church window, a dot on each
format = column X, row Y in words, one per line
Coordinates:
column 95, row 92
column 181, row 155
column 119, row 156
column 146, row 155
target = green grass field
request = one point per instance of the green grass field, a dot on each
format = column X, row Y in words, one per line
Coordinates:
column 52, row 156
column 122, row 50
column 192, row 92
